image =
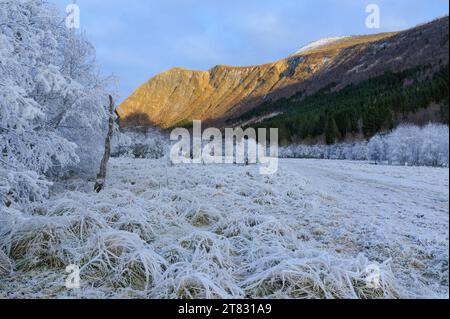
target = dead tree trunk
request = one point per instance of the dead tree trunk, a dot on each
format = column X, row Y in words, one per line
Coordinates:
column 101, row 176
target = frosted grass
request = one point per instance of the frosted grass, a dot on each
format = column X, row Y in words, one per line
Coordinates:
column 224, row 231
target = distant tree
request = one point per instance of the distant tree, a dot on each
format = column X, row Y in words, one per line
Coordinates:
column 376, row 149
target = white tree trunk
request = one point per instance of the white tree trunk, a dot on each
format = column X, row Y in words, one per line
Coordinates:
column 101, row 176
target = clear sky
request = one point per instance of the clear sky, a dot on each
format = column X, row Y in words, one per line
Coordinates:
column 136, row 39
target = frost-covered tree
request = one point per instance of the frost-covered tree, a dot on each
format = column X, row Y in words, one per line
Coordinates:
column 137, row 144
column 376, row 149
column 434, row 149
column 402, row 144
column 414, row 145
column 52, row 100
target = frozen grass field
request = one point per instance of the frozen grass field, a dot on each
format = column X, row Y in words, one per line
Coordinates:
column 224, row 231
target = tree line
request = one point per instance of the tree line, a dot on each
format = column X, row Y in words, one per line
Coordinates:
column 358, row 109
column 406, row 145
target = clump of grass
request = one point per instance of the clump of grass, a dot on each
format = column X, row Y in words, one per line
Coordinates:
column 203, row 217
column 40, row 242
column 85, row 225
column 198, row 279
column 209, row 247
column 123, row 259
column 234, row 226
column 137, row 223
column 322, row 276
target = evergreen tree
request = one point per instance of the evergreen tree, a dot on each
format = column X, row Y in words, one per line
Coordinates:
column 331, row 130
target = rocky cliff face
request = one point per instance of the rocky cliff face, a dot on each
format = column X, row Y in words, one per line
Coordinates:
column 178, row 95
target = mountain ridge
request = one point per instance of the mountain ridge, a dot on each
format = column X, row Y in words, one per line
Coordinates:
column 223, row 92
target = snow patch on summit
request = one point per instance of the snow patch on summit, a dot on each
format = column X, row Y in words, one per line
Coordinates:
column 318, row 44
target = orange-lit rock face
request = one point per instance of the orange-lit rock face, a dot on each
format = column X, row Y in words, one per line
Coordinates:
column 179, row 95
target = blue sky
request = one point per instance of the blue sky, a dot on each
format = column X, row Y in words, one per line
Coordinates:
column 136, row 39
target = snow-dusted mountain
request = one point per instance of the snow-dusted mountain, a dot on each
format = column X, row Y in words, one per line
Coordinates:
column 223, row 92
column 180, row 95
